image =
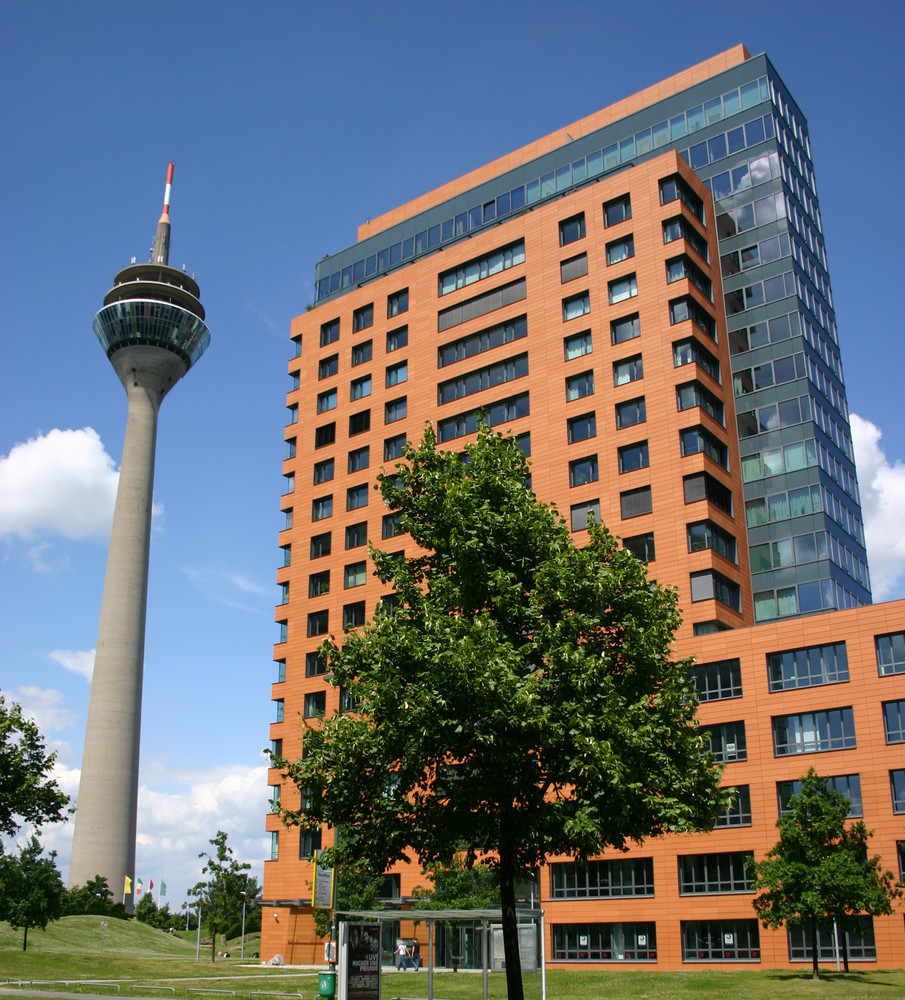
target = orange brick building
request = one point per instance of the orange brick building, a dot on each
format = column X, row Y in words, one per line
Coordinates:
column 584, row 309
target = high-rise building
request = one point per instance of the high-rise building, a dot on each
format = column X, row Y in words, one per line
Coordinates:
column 642, row 299
column 152, row 329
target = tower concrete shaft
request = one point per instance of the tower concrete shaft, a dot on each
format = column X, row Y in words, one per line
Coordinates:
column 152, row 327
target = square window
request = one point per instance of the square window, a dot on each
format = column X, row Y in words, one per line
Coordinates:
column 397, row 338
column 326, row 400
column 631, row 412
column 319, row 583
column 395, row 410
column 397, row 374
column 577, row 345
column 315, row 665
column 392, row 525
column 360, row 387
column 581, row 514
column 315, row 704
column 634, row 503
column 633, row 457
column 324, row 435
column 617, row 210
column 620, row 250
column 362, row 352
column 359, row 423
column 579, row 385
column 627, row 370
column 354, row 615
column 583, row 427
column 575, row 267
column 359, row 459
column 328, row 366
column 622, row 289
column 323, row 471
column 641, row 546
column 357, row 535
column 571, row 230
column 318, row 623
column 397, row 303
column 320, row 545
column 321, row 507
column 583, row 470
column 329, row 332
column 575, row 306
column 355, row 575
column 363, row 317
column 626, row 328
column 393, row 447
column 356, row 497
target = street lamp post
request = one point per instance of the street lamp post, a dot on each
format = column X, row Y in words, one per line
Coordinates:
column 198, row 938
column 242, row 956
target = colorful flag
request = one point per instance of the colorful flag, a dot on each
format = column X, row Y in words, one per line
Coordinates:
column 127, row 886
column 151, row 886
column 163, row 888
column 139, row 885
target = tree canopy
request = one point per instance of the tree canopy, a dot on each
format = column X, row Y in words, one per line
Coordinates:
column 220, row 895
column 31, row 889
column 27, row 792
column 819, row 871
column 516, row 697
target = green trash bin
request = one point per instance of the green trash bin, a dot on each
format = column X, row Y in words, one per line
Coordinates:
column 326, row 984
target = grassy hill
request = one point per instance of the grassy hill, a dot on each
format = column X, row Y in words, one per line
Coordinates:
column 82, row 936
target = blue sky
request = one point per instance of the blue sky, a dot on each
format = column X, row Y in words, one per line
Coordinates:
column 291, row 123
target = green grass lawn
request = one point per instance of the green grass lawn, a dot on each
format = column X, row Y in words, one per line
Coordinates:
column 137, row 954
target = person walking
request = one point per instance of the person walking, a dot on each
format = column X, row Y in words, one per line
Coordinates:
column 401, row 956
column 416, row 954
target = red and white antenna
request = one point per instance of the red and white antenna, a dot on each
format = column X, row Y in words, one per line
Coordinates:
column 166, row 194
column 161, row 252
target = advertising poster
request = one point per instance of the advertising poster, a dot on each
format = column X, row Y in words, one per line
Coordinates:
column 363, row 961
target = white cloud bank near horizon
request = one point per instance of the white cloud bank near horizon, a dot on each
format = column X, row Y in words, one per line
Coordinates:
column 882, row 485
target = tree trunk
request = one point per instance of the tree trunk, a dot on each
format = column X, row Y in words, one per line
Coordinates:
column 844, row 941
column 514, row 989
column 213, row 943
column 25, row 939
column 815, row 969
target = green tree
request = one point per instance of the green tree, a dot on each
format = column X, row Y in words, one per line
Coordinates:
column 357, row 887
column 93, row 897
column 819, row 871
column 460, row 885
column 518, row 699
column 27, row 793
column 220, row 896
column 31, row 889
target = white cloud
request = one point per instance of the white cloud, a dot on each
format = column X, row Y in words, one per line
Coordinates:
column 45, row 706
column 882, row 486
column 229, row 588
column 79, row 661
column 61, row 483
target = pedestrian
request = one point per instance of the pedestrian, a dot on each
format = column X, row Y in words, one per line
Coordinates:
column 401, row 956
column 416, row 954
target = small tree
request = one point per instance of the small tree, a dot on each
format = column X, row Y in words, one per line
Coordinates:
column 92, row 897
column 819, row 871
column 220, row 897
column 357, row 888
column 31, row 889
column 519, row 697
column 27, row 793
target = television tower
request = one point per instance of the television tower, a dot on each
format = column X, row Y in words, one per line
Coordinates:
column 152, row 328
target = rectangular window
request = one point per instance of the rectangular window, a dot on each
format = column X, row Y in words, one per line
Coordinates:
column 622, row 289
column 393, row 448
column 629, row 942
column 274, row 845
column 583, row 470
column 319, row 583
column 848, row 785
column 602, row 879
column 320, row 545
column 715, row 873
column 627, row 370
column 315, row 704
column 397, row 374
column 321, row 507
column 641, row 546
column 698, row 440
column 687, row 308
column 675, row 189
column 323, row 471
column 356, row 535
column 309, row 844
column 634, row 503
column 890, row 653
column 807, row 667
column 329, row 332
column 575, row 306
column 359, row 388
column 617, row 210
column 326, row 400
column 318, row 623
column 897, row 788
column 726, row 741
column 710, row 585
column 578, row 386
column 482, row 378
column 395, row 410
column 481, row 267
column 738, row 813
column 355, row 575
column 688, row 352
column 354, row 615
column 581, row 514
column 362, row 352
column 703, row 486
column 363, row 317
column 359, row 423
column 894, row 721
column 813, row 732
column 500, row 412
column 720, row 941
column 577, row 345
column 328, row 366
column 707, row 535
column 679, row 228
column 683, row 267
column 391, row 525
column 356, row 497
column 397, row 338
column 397, row 303
column 860, row 945
column 480, row 305
column 626, row 328
column 315, row 665
column 718, row 680
column 571, row 230
column 581, row 428
column 359, row 459
column 325, row 435
column 631, row 412
column 574, row 267
column 620, row 250
column 633, row 456
column 483, row 340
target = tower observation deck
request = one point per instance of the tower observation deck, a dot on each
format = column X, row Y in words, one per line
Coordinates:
column 152, row 329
